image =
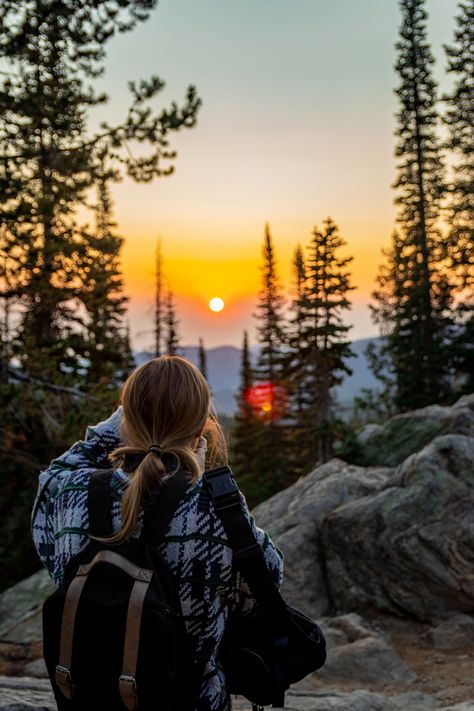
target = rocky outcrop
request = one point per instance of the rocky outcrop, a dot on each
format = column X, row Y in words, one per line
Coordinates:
column 408, row 548
column 391, row 443
column 294, row 520
column 398, row 539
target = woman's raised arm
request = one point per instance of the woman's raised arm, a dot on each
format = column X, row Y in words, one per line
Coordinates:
column 60, row 507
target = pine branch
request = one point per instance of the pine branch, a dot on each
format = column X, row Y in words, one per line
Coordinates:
column 26, row 377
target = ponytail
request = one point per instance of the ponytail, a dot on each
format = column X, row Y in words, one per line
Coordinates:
column 165, row 403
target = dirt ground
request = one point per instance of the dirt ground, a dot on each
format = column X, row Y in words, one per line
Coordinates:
column 446, row 674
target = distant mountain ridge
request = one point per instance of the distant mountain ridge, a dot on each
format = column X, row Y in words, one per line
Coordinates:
column 223, row 370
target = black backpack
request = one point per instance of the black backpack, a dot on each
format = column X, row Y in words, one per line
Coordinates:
column 113, row 634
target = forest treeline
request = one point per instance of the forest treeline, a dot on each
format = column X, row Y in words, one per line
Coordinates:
column 65, row 346
column 423, row 302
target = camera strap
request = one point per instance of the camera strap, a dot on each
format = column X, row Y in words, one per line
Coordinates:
column 249, row 556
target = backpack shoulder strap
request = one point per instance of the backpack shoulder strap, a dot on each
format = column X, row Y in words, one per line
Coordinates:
column 248, row 553
column 159, row 509
column 162, row 505
column 99, row 502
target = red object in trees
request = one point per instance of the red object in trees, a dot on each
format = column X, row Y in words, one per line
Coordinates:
column 268, row 401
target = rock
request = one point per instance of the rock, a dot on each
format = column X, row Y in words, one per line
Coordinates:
column 401, row 435
column 329, row 700
column 37, row 669
column 457, row 631
column 408, row 548
column 364, row 435
column 293, row 518
column 25, row 694
column 415, row 701
column 26, row 629
column 464, row 706
column 365, row 655
column 19, row 607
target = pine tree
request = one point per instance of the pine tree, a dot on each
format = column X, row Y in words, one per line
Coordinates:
column 269, row 373
column 50, row 51
column 385, row 357
column 9, row 275
column 417, row 316
column 158, row 299
column 50, row 166
column 324, row 348
column 245, row 436
column 172, row 340
column 459, row 118
column 202, row 358
column 269, row 316
column 107, row 346
column 300, row 450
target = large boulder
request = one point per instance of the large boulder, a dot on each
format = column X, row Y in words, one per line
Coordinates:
column 391, row 443
column 359, row 653
column 20, row 608
column 409, row 547
column 457, row 632
column 293, row 519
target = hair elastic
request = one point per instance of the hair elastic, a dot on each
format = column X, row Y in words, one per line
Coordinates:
column 155, row 448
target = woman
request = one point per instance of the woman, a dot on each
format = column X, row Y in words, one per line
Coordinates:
column 161, row 426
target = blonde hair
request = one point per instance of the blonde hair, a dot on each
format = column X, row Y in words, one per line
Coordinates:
column 167, row 402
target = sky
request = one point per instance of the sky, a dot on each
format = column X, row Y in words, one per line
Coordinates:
column 296, row 125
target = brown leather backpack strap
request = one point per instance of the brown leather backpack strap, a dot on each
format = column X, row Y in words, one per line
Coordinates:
column 63, row 669
column 127, row 681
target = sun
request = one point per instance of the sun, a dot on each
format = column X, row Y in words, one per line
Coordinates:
column 216, row 304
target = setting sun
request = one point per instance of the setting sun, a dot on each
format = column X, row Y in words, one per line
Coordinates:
column 216, row 304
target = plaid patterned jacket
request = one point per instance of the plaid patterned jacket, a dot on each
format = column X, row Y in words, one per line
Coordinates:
column 195, row 546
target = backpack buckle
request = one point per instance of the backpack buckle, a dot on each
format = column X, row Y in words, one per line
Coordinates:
column 128, row 691
column 222, row 487
column 64, row 681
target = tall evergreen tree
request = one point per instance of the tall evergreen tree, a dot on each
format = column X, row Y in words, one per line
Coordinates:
column 269, row 371
column 300, row 449
column 172, row 339
column 270, row 322
column 460, row 120
column 324, row 348
column 386, row 356
column 50, row 51
column 9, row 275
column 296, row 367
column 49, row 167
column 419, row 322
column 107, row 346
column 202, row 358
column 245, row 436
column 158, row 311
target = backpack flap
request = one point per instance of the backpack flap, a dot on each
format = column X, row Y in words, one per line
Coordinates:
column 114, row 637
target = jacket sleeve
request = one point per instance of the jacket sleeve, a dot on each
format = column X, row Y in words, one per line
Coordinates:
column 243, row 599
column 60, row 515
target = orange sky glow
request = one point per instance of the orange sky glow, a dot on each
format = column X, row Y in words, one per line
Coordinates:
column 290, row 132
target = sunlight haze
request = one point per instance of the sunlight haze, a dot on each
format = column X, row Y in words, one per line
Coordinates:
column 296, row 125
